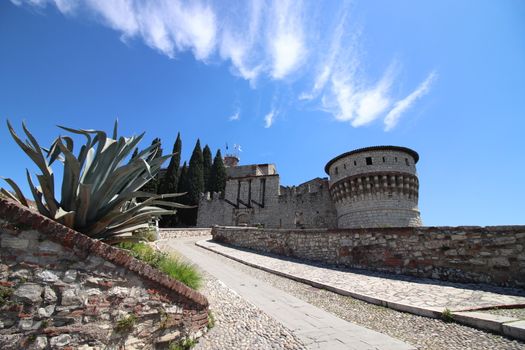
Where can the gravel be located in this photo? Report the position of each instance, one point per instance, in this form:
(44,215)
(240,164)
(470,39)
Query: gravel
(239,324)
(422,332)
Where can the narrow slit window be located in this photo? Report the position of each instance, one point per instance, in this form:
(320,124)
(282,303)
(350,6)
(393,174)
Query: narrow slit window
(406,161)
(384,159)
(336,170)
(368,160)
(355,163)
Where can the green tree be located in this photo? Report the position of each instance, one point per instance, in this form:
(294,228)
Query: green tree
(206,167)
(183,181)
(195,175)
(218,174)
(183,187)
(170,180)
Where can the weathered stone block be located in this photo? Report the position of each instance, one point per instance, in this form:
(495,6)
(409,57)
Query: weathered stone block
(13,242)
(61,340)
(29,293)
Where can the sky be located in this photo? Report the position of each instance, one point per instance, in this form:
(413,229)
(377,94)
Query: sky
(295,83)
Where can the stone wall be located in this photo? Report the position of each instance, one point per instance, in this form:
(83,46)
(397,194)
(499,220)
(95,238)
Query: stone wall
(165,233)
(493,255)
(271,205)
(60,289)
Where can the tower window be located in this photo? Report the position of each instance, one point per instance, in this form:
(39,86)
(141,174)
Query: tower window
(395,159)
(368,160)
(406,161)
(336,170)
(355,163)
(344,166)
(383,159)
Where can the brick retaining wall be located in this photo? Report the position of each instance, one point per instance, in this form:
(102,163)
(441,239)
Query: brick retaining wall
(493,255)
(62,289)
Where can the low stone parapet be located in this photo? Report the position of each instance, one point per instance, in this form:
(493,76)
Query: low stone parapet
(493,255)
(165,233)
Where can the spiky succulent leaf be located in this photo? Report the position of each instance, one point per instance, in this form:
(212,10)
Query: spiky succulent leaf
(98,189)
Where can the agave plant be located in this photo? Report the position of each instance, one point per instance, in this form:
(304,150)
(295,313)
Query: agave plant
(99,188)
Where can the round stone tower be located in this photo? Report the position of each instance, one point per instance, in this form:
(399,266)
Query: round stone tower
(375,187)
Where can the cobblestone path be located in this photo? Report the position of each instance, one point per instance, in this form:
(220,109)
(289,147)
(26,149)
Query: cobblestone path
(274,318)
(416,292)
(422,332)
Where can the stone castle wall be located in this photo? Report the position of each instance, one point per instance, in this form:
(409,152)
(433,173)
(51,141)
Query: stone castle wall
(62,290)
(494,255)
(261,200)
(368,187)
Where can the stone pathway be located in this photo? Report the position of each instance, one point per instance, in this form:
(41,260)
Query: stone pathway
(406,291)
(423,332)
(241,325)
(425,297)
(316,328)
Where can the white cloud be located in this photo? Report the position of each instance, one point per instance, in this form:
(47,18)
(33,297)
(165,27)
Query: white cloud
(286,38)
(269,118)
(354,101)
(392,118)
(235,116)
(272,39)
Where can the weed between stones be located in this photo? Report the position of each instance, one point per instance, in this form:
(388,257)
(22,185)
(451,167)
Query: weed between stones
(446,316)
(126,324)
(185,344)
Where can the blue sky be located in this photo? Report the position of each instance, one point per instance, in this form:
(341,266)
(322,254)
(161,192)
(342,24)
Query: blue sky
(294,83)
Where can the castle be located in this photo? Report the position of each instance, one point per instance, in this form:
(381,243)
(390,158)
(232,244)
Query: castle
(367,187)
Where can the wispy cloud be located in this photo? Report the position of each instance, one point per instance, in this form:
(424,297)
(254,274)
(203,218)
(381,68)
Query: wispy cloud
(392,118)
(286,38)
(269,118)
(277,40)
(235,116)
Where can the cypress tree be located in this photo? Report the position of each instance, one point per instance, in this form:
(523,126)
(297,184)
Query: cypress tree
(218,174)
(206,167)
(196,175)
(195,182)
(170,180)
(183,183)
(182,214)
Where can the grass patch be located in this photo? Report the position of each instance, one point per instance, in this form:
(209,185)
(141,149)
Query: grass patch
(211,320)
(446,316)
(5,294)
(126,324)
(185,344)
(169,264)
